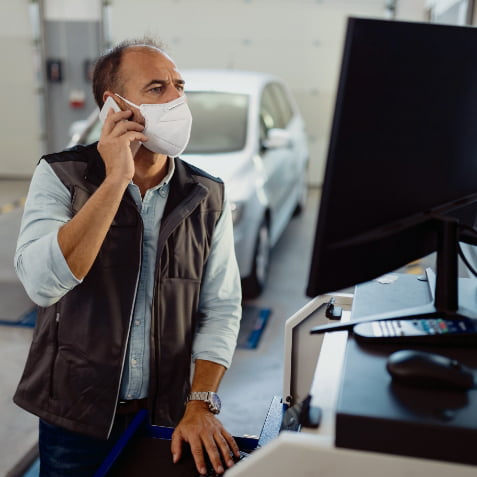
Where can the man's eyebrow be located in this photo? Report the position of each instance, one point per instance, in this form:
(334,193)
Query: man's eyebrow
(163,82)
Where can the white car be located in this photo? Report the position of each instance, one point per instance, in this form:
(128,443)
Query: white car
(248,131)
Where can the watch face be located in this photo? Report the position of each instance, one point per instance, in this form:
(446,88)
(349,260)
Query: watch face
(215,403)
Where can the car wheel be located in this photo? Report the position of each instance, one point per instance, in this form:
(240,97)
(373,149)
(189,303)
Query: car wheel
(253,285)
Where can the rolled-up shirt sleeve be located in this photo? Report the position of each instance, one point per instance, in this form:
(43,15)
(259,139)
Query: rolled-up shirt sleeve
(220,299)
(39,262)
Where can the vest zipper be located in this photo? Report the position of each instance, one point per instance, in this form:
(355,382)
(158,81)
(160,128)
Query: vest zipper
(155,328)
(130,321)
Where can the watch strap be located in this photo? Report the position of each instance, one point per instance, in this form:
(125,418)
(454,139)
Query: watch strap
(209,397)
(199,396)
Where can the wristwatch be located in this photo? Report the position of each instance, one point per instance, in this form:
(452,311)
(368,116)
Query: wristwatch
(211,398)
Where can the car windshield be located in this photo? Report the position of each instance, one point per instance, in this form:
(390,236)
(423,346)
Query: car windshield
(219,122)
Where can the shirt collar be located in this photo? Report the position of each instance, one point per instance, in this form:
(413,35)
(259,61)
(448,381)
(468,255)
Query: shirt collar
(167,178)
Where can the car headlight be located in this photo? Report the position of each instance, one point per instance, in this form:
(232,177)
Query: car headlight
(237,211)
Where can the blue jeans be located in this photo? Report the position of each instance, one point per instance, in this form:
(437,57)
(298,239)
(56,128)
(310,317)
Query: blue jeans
(68,454)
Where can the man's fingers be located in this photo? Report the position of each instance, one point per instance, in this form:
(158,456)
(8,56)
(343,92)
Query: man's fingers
(123,127)
(198,455)
(233,445)
(229,445)
(209,444)
(112,118)
(223,446)
(176,445)
(136,136)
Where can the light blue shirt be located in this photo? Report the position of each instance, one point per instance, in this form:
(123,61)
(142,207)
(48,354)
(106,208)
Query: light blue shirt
(43,270)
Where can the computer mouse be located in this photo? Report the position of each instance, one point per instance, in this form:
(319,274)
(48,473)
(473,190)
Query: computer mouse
(421,368)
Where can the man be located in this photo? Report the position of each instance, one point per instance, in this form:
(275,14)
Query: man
(129,255)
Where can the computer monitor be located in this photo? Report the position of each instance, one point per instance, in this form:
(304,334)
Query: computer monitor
(401,174)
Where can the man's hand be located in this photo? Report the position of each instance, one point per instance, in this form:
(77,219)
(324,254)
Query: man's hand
(81,238)
(115,142)
(203,431)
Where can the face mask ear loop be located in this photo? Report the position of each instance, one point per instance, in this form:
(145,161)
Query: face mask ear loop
(127,101)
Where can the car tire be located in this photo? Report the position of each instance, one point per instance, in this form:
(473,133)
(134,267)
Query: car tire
(253,285)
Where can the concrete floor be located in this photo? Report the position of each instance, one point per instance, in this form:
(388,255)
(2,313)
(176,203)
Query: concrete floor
(248,387)
(17,428)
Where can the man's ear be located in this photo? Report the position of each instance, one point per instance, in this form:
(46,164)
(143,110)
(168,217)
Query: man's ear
(108,93)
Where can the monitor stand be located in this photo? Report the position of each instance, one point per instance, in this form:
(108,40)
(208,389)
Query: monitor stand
(454,298)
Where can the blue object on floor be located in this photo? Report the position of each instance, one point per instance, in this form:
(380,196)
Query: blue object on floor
(27,320)
(34,470)
(254,320)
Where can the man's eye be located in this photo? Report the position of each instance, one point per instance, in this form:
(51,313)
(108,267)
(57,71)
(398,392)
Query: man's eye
(156,89)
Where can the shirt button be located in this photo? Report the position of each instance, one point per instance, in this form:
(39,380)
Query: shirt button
(134,362)
(137,323)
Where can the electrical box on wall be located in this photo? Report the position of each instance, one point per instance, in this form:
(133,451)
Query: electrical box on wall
(88,69)
(54,70)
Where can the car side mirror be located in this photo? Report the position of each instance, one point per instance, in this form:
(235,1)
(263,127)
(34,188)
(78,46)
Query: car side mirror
(277,138)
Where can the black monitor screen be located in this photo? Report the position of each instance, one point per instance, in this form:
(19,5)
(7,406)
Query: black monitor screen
(403,149)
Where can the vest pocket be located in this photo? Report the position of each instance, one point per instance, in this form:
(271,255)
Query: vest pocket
(121,240)
(59,378)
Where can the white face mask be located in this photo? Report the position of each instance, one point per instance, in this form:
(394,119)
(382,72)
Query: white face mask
(167,125)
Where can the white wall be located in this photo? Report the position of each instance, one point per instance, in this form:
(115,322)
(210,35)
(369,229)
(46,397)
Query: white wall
(20,135)
(412,10)
(299,40)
